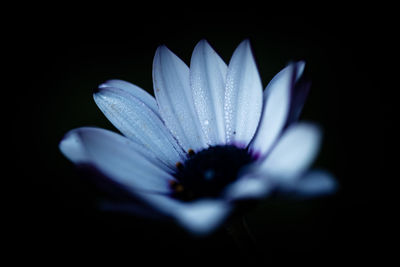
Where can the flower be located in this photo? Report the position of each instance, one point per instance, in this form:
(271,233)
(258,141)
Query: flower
(210,138)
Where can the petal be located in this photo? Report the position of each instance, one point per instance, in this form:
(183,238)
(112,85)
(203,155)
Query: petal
(133,90)
(315,183)
(293,153)
(199,217)
(139,123)
(207,79)
(175,100)
(248,187)
(243,96)
(117,158)
(203,216)
(299,95)
(277,100)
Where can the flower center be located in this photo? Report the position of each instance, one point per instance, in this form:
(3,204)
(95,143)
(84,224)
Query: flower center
(208,172)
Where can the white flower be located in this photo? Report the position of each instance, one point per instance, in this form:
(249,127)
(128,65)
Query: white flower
(209,138)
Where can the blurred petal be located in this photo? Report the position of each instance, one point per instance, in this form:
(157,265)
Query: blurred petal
(138,122)
(116,157)
(133,90)
(243,96)
(199,217)
(294,152)
(175,100)
(316,183)
(207,79)
(203,216)
(299,94)
(248,187)
(277,101)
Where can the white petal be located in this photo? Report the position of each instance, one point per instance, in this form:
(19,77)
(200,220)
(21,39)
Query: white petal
(199,217)
(243,96)
(207,79)
(175,100)
(116,157)
(248,187)
(203,216)
(135,91)
(276,108)
(315,183)
(300,65)
(294,152)
(139,123)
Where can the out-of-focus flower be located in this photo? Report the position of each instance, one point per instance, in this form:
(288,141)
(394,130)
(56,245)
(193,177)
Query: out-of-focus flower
(210,138)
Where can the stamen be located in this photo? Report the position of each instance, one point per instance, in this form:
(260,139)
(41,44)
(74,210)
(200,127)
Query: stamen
(179,188)
(191,152)
(179,165)
(172,183)
(176,186)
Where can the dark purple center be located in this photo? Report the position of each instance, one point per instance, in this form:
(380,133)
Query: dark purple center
(208,172)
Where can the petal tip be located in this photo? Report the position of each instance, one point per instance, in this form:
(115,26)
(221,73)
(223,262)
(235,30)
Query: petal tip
(162,50)
(202,45)
(246,42)
(71,146)
(300,65)
(203,42)
(317,183)
(246,45)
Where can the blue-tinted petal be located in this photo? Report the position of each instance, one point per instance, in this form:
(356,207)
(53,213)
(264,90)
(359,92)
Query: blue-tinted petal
(251,186)
(299,93)
(293,153)
(207,79)
(133,90)
(175,100)
(199,217)
(118,158)
(276,108)
(137,121)
(243,96)
(316,183)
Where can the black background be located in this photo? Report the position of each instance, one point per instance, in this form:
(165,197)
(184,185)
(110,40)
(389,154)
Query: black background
(67,52)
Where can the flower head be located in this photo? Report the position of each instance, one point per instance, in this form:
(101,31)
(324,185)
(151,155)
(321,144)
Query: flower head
(210,137)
